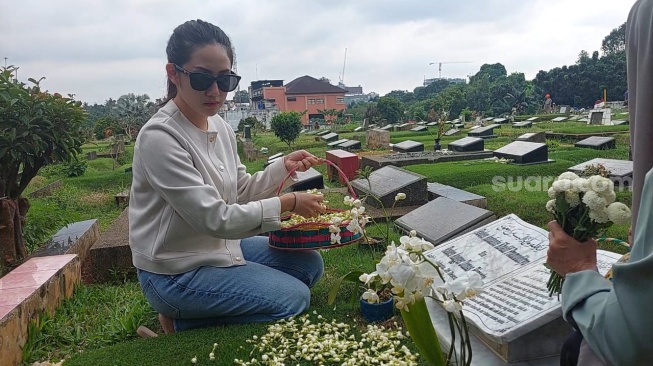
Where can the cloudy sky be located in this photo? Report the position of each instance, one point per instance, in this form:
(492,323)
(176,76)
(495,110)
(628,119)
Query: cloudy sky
(101,49)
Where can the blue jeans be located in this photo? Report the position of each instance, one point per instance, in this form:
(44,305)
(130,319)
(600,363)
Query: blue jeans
(272,285)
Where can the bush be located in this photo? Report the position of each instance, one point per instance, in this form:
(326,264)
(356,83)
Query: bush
(75,168)
(286,126)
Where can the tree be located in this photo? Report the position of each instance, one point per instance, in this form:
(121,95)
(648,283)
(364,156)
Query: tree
(286,126)
(615,42)
(253,122)
(325,79)
(241,97)
(391,109)
(37,128)
(133,111)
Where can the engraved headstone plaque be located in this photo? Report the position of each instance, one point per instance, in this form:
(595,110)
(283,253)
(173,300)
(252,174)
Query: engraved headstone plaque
(387,181)
(483,132)
(443,219)
(310,179)
(565,109)
(596,118)
(330,137)
(408,146)
(419,129)
(621,171)
(322,133)
(337,142)
(514,315)
(521,152)
(451,132)
(597,143)
(441,190)
(467,144)
(525,124)
(351,145)
(533,137)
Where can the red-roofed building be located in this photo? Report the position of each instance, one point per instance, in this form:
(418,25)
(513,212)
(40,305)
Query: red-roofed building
(302,94)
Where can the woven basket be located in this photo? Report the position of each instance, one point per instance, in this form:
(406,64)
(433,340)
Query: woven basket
(313,235)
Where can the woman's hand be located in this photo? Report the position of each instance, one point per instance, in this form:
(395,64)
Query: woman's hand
(303,204)
(568,255)
(301,160)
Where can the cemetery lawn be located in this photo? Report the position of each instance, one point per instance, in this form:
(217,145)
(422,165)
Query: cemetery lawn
(97,326)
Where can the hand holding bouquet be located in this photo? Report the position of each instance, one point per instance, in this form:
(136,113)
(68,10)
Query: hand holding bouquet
(584,208)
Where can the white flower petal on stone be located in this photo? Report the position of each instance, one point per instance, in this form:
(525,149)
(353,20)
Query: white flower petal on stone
(400,196)
(619,213)
(413,233)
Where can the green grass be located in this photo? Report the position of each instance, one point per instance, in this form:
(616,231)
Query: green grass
(97,326)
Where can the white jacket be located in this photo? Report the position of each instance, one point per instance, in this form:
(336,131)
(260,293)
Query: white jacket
(191,199)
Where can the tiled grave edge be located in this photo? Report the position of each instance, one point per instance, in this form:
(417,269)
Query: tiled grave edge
(36,286)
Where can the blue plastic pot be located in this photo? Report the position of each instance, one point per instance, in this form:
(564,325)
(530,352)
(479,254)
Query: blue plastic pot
(377,312)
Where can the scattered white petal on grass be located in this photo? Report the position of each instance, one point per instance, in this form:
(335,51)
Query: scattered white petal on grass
(193,360)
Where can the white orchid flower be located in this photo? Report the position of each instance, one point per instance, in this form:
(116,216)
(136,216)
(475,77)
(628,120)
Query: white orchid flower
(371,296)
(357,203)
(452,306)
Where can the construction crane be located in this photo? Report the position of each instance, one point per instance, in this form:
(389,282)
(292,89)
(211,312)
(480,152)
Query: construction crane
(446,62)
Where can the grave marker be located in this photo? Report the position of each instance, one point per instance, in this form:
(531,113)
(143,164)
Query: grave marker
(377,139)
(467,144)
(337,143)
(483,132)
(351,145)
(419,129)
(533,137)
(597,143)
(522,152)
(443,219)
(525,124)
(386,182)
(330,137)
(408,146)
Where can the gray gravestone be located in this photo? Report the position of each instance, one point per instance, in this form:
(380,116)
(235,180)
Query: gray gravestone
(386,182)
(500,120)
(533,137)
(597,143)
(533,119)
(565,109)
(322,133)
(483,132)
(351,145)
(387,127)
(431,124)
(620,122)
(451,132)
(436,190)
(488,119)
(408,146)
(330,137)
(377,139)
(596,118)
(248,132)
(559,119)
(443,219)
(525,124)
(522,152)
(337,143)
(458,125)
(358,129)
(310,179)
(404,127)
(467,144)
(621,171)
(420,129)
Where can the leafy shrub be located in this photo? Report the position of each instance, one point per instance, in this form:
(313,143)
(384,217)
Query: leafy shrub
(286,126)
(75,168)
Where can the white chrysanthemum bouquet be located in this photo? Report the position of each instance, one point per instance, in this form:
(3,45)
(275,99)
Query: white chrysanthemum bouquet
(584,208)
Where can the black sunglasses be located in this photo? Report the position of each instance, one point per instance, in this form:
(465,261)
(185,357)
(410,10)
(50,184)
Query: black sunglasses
(201,81)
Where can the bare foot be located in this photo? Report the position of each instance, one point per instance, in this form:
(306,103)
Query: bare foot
(166,324)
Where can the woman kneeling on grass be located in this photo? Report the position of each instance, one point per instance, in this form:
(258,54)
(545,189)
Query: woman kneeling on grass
(194,212)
